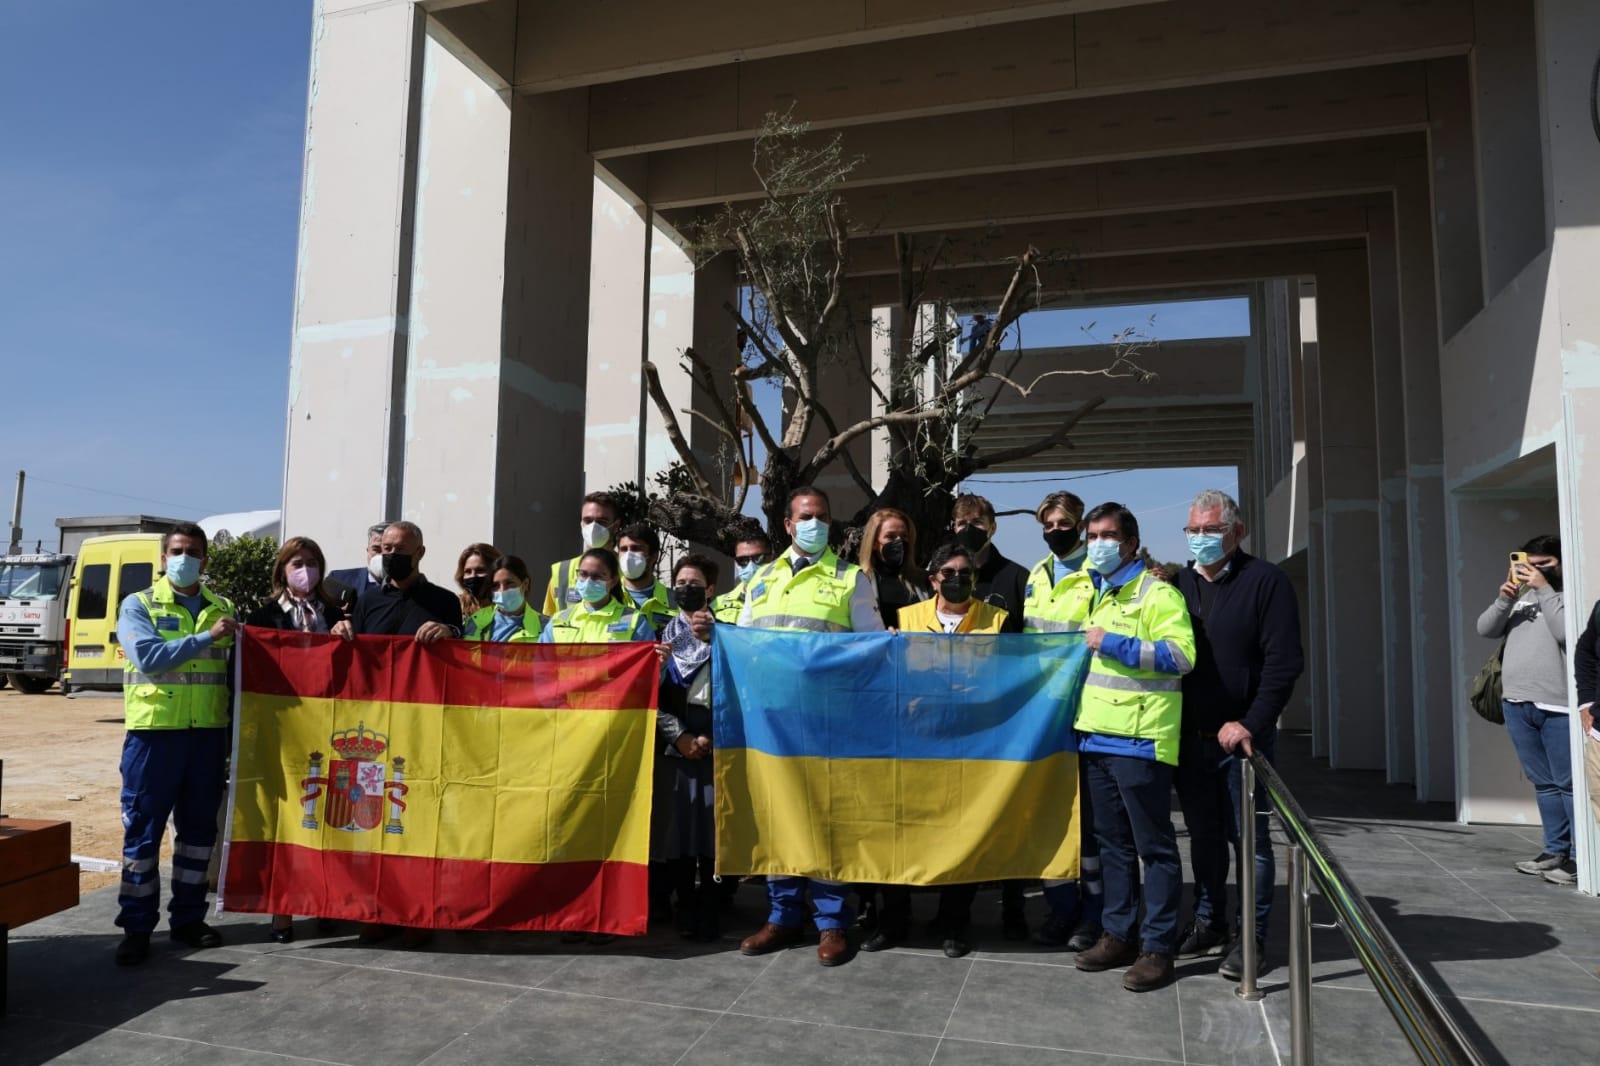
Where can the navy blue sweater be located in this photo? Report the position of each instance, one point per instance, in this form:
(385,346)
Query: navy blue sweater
(1247,646)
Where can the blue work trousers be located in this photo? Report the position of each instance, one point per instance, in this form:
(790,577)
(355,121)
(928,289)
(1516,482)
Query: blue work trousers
(786,897)
(1209,781)
(1132,800)
(176,773)
(1080,901)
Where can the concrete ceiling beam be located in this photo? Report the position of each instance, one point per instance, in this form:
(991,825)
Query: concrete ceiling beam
(1307,107)
(1097,53)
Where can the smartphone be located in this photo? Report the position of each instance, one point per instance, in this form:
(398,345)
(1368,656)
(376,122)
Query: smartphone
(1517,559)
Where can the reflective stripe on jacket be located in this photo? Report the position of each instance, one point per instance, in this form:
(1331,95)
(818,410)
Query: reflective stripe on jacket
(816,599)
(560,592)
(1140,702)
(609,624)
(1052,606)
(194,694)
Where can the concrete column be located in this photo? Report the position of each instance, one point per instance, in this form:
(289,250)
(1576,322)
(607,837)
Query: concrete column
(1316,636)
(1356,728)
(619,281)
(342,464)
(1453,164)
(1395,580)
(453,378)
(1505,82)
(550,219)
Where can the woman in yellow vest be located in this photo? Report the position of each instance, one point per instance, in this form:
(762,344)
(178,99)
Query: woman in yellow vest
(599,616)
(951,611)
(508,618)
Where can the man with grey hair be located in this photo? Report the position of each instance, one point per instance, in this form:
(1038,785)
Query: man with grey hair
(1246,623)
(406,603)
(358,579)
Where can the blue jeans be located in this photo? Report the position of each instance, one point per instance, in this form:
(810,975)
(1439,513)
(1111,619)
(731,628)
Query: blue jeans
(1132,800)
(1541,738)
(177,774)
(786,897)
(1209,780)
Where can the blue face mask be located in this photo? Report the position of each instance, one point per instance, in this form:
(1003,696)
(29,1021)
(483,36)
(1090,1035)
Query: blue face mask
(183,570)
(1105,556)
(745,571)
(811,535)
(591,591)
(1206,548)
(510,601)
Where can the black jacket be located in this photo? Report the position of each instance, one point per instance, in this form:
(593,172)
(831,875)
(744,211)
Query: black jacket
(1003,583)
(388,611)
(1586,659)
(1247,646)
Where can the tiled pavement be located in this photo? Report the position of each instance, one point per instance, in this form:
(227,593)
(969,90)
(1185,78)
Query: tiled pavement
(1516,957)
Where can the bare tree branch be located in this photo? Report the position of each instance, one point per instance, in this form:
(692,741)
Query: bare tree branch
(975,365)
(680,444)
(1024,451)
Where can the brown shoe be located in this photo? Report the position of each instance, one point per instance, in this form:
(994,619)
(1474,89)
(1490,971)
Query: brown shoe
(834,947)
(769,937)
(1150,971)
(1108,954)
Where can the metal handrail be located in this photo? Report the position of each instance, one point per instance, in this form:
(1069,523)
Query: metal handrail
(1432,1033)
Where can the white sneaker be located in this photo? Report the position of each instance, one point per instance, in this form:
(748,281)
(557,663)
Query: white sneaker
(1564,874)
(1545,861)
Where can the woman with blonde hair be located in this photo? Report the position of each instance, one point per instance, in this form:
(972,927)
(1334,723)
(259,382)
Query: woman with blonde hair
(889,559)
(473,575)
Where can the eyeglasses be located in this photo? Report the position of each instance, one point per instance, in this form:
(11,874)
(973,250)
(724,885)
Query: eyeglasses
(594,575)
(747,560)
(947,574)
(1208,531)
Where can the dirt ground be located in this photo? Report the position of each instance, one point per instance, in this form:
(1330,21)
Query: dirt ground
(61,758)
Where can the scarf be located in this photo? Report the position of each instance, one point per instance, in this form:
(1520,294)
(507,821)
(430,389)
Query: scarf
(306,614)
(689,652)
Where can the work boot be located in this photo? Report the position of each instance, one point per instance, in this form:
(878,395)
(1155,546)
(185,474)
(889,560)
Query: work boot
(197,935)
(1150,971)
(134,949)
(834,947)
(1084,936)
(1232,967)
(769,937)
(955,946)
(1197,941)
(1110,953)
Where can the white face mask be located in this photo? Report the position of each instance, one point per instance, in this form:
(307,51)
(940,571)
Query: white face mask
(375,567)
(633,564)
(595,535)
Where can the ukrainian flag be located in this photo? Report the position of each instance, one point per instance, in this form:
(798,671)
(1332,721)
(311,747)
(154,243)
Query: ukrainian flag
(458,785)
(918,759)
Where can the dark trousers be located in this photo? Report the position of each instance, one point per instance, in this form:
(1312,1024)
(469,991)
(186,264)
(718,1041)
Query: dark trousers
(1132,800)
(1209,781)
(177,774)
(955,910)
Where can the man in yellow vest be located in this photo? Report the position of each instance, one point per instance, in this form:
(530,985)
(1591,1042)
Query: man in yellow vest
(176,636)
(1128,728)
(597,523)
(751,551)
(810,588)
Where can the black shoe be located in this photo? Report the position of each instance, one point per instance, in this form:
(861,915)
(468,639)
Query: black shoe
(281,936)
(955,947)
(1085,936)
(134,949)
(882,940)
(1014,925)
(1198,940)
(197,935)
(1232,967)
(1055,932)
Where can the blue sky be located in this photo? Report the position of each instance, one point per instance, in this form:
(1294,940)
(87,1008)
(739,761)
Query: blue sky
(151,205)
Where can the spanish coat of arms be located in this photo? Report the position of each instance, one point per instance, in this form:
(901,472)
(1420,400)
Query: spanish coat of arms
(356,789)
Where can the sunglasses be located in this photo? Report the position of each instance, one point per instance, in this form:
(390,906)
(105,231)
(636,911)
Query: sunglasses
(948,574)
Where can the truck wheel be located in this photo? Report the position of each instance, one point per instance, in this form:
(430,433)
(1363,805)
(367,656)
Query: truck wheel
(30,685)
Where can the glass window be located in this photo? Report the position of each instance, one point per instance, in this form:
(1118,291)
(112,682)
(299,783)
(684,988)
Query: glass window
(94,586)
(133,577)
(30,581)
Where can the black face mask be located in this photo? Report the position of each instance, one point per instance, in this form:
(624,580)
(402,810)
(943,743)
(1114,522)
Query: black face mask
(397,567)
(475,586)
(973,537)
(1551,574)
(691,598)
(1061,542)
(893,556)
(956,589)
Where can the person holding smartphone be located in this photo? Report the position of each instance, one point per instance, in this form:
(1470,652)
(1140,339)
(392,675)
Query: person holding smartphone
(1530,616)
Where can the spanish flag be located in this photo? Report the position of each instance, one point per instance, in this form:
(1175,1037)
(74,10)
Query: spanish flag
(913,759)
(459,785)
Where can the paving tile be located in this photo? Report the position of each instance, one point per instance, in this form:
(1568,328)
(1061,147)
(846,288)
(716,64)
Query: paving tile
(1051,1007)
(1220,1027)
(736,1041)
(555,1029)
(1350,1027)
(403,1017)
(900,991)
(32,1041)
(707,981)
(971,1053)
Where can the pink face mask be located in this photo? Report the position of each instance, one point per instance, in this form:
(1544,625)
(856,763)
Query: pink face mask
(304,579)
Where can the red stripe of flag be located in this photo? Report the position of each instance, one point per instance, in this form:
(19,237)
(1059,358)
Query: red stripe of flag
(463,673)
(592,896)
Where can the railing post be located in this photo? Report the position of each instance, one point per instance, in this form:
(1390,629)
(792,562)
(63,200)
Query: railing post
(1299,958)
(1247,880)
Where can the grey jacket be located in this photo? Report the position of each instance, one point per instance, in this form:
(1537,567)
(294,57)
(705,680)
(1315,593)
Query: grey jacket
(1534,626)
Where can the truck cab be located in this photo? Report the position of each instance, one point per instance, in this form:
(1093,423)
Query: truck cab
(110,569)
(33,600)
